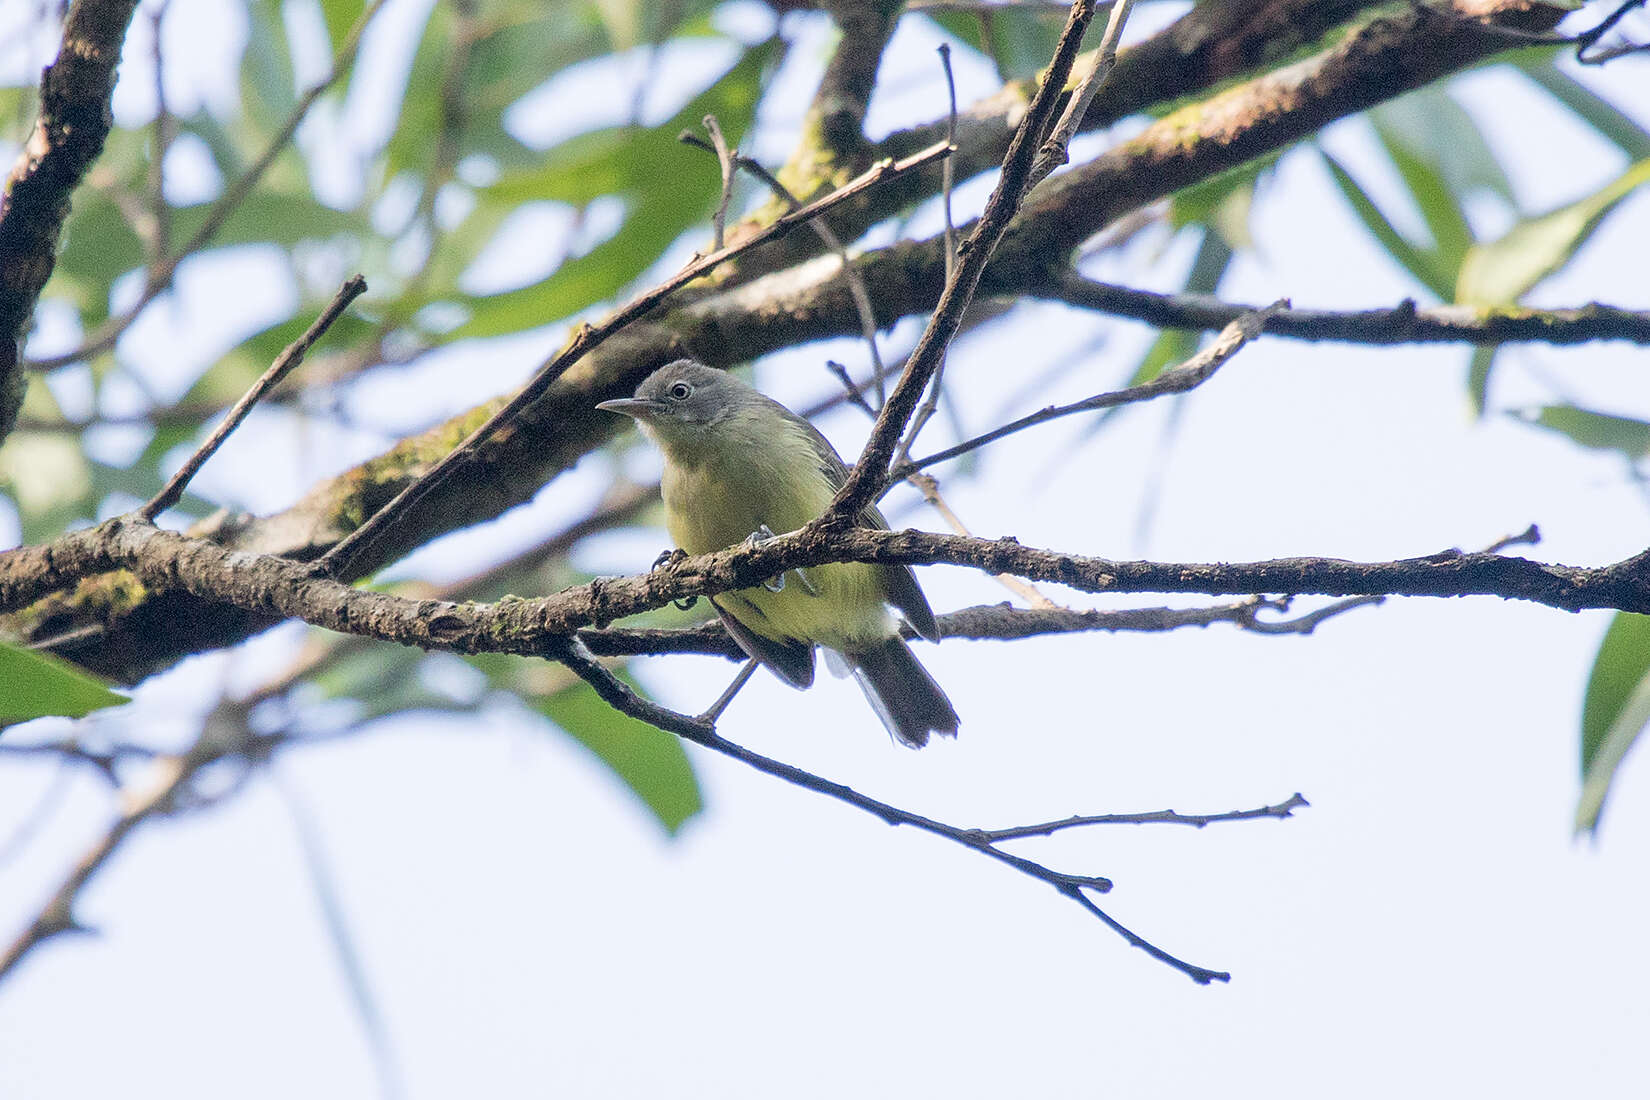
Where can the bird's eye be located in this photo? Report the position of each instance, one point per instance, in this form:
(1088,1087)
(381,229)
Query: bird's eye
(681,391)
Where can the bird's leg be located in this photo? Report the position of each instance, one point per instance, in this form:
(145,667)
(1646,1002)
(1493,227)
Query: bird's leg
(671,557)
(710,716)
(777,584)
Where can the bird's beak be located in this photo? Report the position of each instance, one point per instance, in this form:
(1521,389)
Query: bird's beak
(638,407)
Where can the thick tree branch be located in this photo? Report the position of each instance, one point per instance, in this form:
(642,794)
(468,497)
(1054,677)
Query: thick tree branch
(147,633)
(68,136)
(988,622)
(272,587)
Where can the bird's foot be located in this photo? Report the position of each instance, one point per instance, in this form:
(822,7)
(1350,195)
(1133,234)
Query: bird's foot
(764,533)
(671,557)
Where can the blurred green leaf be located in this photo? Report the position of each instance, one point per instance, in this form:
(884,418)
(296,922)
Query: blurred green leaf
(651,762)
(1411,257)
(340,16)
(1609,120)
(1174,346)
(649,168)
(268,85)
(50,479)
(1600,431)
(272,217)
(1478,377)
(1500,272)
(1428,189)
(1223,202)
(623,20)
(1615,711)
(33,685)
(381,680)
(226,380)
(1019,40)
(1438,130)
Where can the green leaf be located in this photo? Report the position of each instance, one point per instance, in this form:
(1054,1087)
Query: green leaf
(1500,272)
(1434,127)
(1018,39)
(1423,176)
(381,680)
(1478,377)
(651,762)
(33,685)
(50,480)
(1223,201)
(1173,346)
(653,171)
(1411,257)
(268,85)
(1615,711)
(1600,431)
(340,16)
(1599,113)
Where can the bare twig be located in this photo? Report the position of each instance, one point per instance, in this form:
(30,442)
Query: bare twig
(1283,809)
(284,364)
(340,559)
(856,282)
(931,403)
(725,158)
(1405,323)
(1056,149)
(1179,379)
(714,711)
(870,474)
(160,240)
(1307,623)
(619,695)
(154,796)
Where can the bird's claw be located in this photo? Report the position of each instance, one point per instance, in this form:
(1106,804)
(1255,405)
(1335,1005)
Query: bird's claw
(671,557)
(777,584)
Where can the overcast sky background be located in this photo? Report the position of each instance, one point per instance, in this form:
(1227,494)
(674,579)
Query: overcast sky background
(1429,925)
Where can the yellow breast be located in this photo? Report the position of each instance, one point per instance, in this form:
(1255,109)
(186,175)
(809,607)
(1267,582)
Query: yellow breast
(712,503)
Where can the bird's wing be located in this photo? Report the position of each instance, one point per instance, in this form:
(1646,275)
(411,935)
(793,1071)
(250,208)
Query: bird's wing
(899,583)
(790,659)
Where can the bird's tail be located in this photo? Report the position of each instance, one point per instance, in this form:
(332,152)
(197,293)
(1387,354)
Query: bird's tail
(906,698)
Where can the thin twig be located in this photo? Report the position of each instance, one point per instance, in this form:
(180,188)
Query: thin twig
(725,158)
(870,474)
(929,487)
(160,276)
(850,392)
(1056,150)
(1405,323)
(284,363)
(1307,623)
(617,694)
(931,403)
(1283,809)
(340,559)
(856,282)
(160,240)
(1178,379)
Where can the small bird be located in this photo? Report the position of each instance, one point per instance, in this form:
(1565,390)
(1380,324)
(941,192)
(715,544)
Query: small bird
(740,466)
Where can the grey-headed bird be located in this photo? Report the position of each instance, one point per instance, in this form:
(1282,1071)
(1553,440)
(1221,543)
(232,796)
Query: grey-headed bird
(740,465)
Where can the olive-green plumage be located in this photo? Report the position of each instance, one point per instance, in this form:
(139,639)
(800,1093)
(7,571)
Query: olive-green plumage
(739,464)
